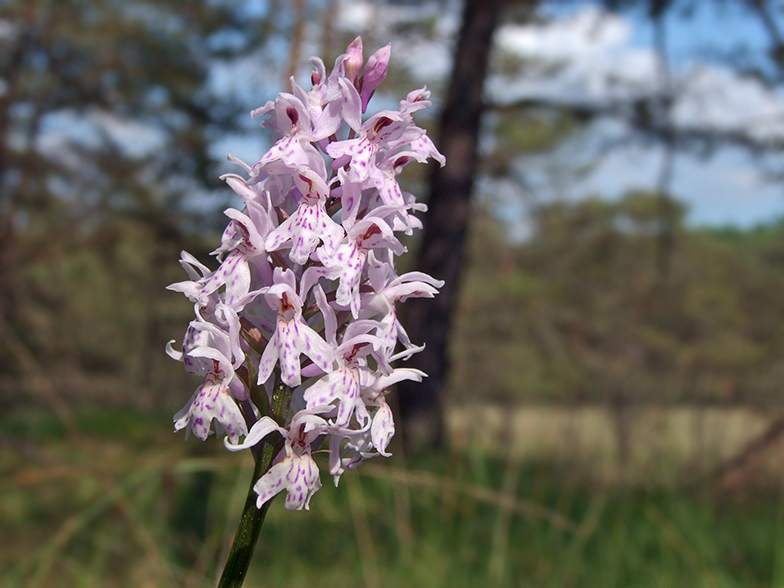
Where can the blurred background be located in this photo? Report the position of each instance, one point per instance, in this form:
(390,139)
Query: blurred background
(604,406)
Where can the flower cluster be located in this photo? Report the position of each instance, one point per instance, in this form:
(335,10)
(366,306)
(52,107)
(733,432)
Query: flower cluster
(305,292)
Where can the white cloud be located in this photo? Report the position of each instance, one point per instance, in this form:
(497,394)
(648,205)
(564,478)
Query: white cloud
(586,56)
(135,138)
(355,16)
(600,63)
(435,67)
(593,57)
(585,35)
(717,98)
(67,127)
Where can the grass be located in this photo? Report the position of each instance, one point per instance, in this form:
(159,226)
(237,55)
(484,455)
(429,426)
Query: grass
(127,503)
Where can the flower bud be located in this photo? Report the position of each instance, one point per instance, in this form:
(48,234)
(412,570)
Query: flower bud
(375,73)
(354,59)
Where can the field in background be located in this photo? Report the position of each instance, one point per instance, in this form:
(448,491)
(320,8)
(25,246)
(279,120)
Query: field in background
(665,444)
(530,497)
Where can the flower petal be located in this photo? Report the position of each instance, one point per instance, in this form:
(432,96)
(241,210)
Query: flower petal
(211,401)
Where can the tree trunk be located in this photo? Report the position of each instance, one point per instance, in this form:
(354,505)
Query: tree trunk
(441,254)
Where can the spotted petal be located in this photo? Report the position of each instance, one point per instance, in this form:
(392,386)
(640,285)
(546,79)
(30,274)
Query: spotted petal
(297,474)
(211,401)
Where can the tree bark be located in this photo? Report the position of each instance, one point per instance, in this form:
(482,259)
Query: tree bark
(441,253)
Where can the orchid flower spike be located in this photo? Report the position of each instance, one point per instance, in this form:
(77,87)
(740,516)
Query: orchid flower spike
(305,292)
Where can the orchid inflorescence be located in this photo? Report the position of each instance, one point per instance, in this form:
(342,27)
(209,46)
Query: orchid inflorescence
(304,296)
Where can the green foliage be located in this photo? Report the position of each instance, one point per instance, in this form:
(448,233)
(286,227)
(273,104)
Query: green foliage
(530,132)
(586,309)
(106,120)
(142,508)
(97,317)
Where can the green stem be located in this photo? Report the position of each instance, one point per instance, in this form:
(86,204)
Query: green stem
(252,517)
(250,524)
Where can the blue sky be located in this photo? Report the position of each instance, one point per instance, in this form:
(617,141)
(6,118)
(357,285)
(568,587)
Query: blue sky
(726,188)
